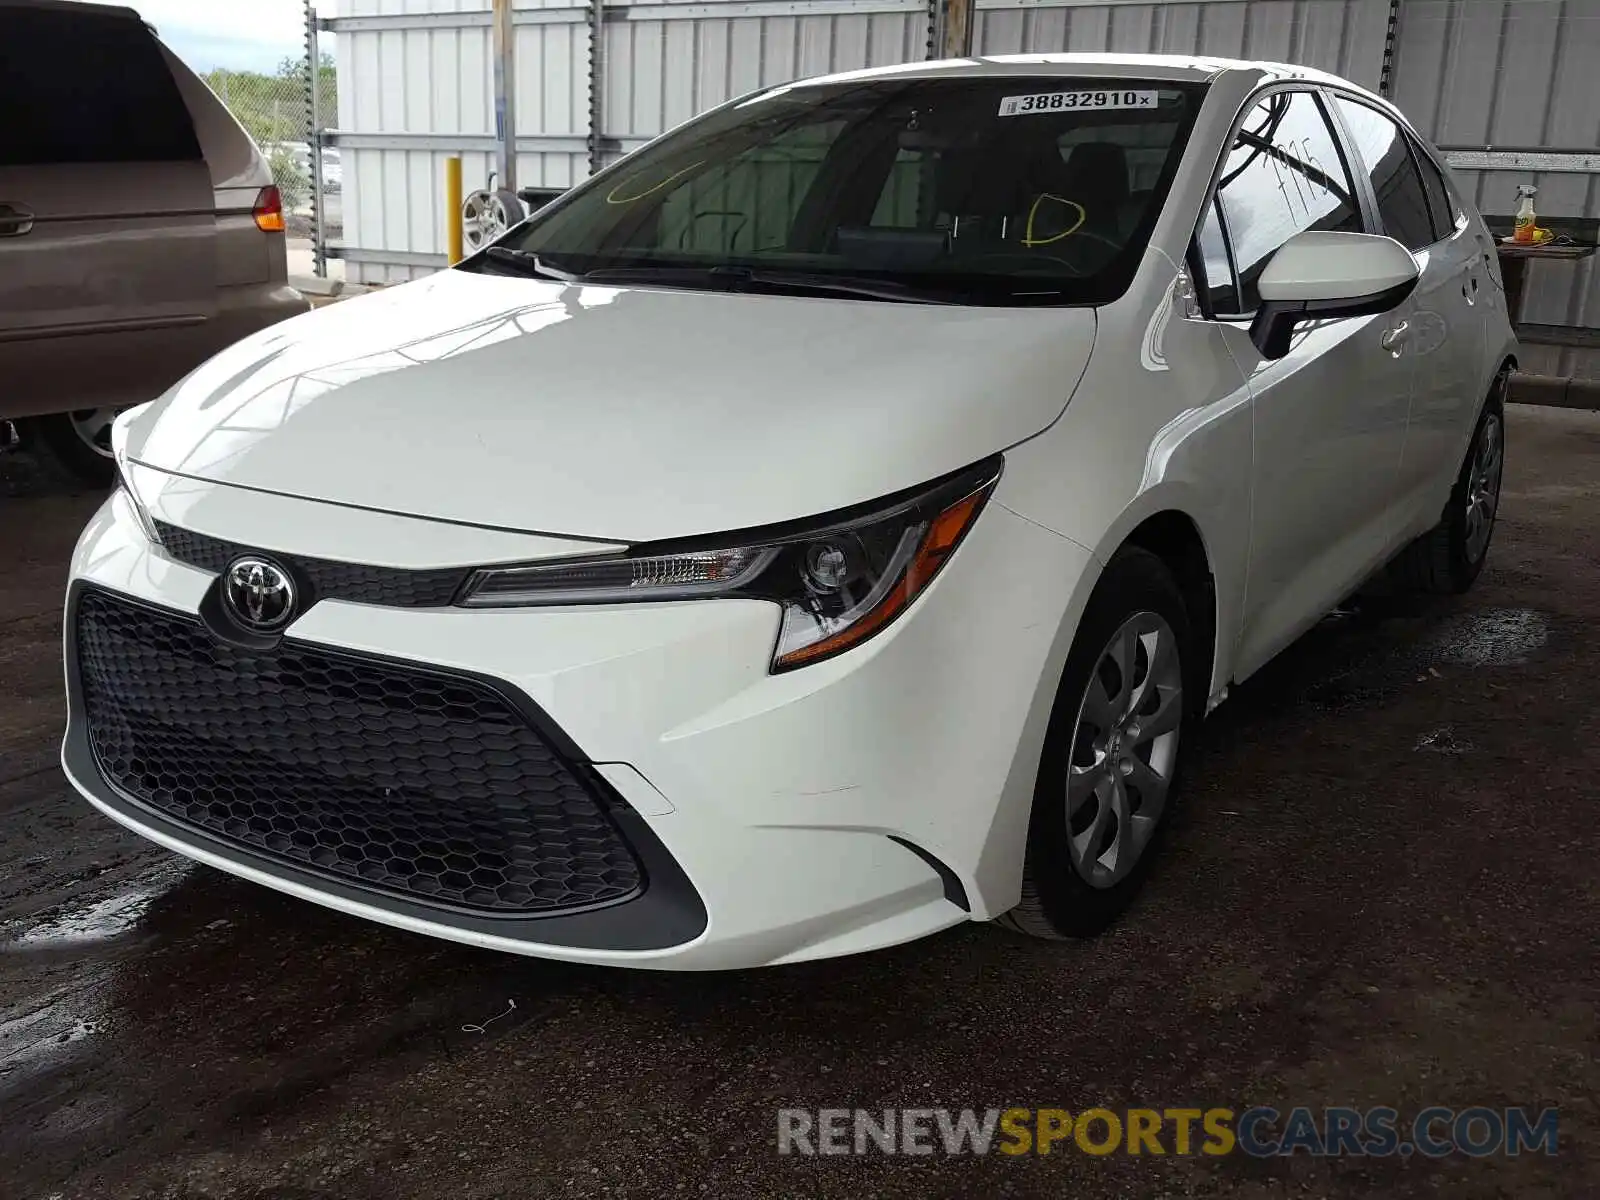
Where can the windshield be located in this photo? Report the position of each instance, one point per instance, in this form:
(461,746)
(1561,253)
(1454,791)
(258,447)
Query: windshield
(1005,190)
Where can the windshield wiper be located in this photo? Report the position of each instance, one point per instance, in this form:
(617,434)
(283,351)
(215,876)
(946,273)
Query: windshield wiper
(529,263)
(733,279)
(846,285)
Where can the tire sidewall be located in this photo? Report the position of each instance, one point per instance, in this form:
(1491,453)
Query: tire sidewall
(1463,569)
(1133,581)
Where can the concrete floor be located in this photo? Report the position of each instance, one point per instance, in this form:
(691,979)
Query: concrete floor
(1382,890)
(303,261)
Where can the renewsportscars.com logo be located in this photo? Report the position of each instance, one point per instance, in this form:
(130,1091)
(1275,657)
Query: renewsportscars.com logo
(1261,1132)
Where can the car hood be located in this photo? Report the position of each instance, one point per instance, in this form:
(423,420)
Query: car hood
(626,414)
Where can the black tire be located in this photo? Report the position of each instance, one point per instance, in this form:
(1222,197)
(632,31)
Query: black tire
(1442,562)
(1057,900)
(55,444)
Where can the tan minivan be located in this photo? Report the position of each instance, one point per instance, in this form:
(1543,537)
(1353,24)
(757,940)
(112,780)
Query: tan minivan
(140,232)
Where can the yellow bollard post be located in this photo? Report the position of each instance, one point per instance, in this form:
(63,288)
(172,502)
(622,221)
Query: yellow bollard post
(452,208)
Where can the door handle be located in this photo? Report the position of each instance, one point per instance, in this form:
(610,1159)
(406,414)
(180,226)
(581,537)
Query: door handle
(15,220)
(1393,340)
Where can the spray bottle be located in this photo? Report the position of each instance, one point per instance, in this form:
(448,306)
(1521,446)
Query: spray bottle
(1526,230)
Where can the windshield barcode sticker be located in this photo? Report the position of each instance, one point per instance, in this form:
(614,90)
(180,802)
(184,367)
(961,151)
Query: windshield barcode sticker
(1042,102)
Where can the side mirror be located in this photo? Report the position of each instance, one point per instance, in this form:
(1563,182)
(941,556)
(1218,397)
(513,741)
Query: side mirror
(1322,275)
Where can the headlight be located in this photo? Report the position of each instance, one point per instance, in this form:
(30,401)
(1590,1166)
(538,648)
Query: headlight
(839,580)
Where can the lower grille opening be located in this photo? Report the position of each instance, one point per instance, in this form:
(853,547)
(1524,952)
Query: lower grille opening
(424,784)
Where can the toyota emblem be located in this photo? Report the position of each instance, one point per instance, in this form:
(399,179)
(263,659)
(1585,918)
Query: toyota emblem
(258,594)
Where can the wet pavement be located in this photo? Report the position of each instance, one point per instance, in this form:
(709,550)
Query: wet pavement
(1381,890)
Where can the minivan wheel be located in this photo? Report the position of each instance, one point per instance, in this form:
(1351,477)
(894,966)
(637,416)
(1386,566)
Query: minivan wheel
(77,444)
(1448,558)
(1108,773)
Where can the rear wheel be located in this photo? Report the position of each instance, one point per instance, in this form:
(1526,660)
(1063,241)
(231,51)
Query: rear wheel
(77,445)
(1108,774)
(1447,559)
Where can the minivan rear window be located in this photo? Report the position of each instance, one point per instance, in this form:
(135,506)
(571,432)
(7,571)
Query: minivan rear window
(86,88)
(997,190)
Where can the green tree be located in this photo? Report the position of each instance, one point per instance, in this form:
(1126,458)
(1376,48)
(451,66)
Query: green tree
(294,183)
(272,108)
(327,84)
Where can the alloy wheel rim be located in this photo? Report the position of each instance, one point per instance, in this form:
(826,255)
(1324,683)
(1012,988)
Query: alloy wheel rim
(1483,487)
(1124,749)
(477,224)
(93,428)
(483,219)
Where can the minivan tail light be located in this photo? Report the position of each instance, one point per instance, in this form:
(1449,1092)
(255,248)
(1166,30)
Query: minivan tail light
(269,210)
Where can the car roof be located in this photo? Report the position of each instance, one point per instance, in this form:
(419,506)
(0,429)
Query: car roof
(1177,67)
(77,7)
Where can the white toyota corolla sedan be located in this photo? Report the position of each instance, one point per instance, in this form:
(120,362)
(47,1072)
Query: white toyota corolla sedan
(823,527)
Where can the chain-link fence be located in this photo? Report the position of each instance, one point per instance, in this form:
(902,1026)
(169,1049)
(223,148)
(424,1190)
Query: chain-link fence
(275,112)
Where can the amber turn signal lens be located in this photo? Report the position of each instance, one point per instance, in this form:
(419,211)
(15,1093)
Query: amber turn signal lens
(269,210)
(938,542)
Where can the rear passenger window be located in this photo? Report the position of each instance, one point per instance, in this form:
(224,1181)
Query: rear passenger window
(1386,156)
(1284,176)
(77,87)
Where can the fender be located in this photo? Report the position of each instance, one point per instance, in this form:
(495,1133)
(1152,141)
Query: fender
(1226,550)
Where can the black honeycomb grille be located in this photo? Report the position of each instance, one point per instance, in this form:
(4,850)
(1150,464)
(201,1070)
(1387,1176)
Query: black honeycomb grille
(393,587)
(431,786)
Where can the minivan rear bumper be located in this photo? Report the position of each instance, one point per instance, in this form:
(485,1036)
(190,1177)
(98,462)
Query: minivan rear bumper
(249,308)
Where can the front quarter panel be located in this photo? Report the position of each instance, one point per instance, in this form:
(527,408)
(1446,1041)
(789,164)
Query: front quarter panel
(1160,422)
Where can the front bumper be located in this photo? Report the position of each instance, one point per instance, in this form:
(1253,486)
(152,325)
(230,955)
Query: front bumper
(857,803)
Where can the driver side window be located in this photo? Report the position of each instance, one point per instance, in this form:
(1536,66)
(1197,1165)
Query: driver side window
(1284,175)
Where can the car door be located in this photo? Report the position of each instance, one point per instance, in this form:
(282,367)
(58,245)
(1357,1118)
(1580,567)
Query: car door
(1328,419)
(107,248)
(1446,324)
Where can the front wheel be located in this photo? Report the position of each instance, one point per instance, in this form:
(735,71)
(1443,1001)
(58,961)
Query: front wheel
(1108,773)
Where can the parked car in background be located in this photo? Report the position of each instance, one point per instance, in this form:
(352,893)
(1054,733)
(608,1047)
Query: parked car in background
(825,526)
(332,169)
(298,154)
(140,231)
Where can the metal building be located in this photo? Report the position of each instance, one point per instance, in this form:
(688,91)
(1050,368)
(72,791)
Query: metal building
(1507,87)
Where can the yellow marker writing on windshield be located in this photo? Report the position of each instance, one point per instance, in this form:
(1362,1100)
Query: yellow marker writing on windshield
(1027,234)
(613,198)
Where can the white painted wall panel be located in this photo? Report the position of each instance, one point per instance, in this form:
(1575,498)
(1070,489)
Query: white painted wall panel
(660,73)
(1343,36)
(436,81)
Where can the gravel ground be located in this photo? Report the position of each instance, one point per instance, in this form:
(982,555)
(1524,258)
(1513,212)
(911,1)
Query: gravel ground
(1381,891)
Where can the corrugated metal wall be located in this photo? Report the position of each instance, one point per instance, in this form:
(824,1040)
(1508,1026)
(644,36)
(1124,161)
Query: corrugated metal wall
(1343,36)
(660,72)
(1515,74)
(1472,73)
(436,81)
(663,63)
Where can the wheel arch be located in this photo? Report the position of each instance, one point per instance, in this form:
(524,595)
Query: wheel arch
(1208,564)
(1174,537)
